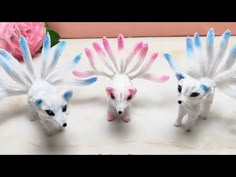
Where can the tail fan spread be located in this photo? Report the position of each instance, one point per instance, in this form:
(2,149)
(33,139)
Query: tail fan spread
(49,70)
(121,65)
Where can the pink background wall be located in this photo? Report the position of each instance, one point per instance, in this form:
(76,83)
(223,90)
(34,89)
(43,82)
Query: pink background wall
(140,29)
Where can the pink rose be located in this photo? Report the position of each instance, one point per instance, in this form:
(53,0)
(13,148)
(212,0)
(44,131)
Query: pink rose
(10,34)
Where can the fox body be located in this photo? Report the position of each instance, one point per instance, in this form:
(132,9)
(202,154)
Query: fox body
(120,91)
(45,101)
(194,98)
(50,105)
(197,83)
(120,94)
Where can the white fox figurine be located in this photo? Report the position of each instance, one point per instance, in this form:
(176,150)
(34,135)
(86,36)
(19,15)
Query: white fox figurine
(197,83)
(120,91)
(45,101)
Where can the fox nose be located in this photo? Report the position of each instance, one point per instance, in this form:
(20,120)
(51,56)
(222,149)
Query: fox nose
(120,112)
(64,125)
(179,101)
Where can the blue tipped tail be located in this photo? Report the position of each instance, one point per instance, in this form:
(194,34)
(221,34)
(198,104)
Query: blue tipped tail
(225,39)
(86,81)
(189,47)
(170,60)
(210,37)
(77,59)
(197,40)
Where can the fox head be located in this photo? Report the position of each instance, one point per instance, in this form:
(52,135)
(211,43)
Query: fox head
(120,98)
(53,107)
(190,90)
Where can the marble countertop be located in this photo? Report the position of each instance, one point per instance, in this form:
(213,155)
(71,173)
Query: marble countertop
(154,110)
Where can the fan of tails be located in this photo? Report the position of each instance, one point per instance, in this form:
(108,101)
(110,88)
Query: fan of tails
(50,72)
(209,63)
(109,59)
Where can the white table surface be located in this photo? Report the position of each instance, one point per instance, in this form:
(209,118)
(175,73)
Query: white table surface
(151,130)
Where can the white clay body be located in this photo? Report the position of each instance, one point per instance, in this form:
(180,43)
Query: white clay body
(52,100)
(193,107)
(204,73)
(120,91)
(119,107)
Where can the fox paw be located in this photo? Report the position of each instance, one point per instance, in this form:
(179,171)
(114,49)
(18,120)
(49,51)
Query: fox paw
(110,117)
(126,119)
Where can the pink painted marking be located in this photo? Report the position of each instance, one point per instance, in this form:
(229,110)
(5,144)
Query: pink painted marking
(120,42)
(137,47)
(109,90)
(132,91)
(98,49)
(164,78)
(154,78)
(81,74)
(143,51)
(154,56)
(110,117)
(89,55)
(126,119)
(106,43)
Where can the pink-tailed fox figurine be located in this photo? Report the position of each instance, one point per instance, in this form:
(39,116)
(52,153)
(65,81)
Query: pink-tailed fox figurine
(120,90)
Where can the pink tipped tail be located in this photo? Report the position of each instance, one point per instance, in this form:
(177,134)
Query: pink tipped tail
(154,56)
(120,42)
(106,43)
(82,74)
(98,49)
(137,47)
(89,55)
(155,78)
(143,51)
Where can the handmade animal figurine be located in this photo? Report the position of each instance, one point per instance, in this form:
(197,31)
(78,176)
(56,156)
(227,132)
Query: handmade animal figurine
(45,101)
(120,90)
(203,74)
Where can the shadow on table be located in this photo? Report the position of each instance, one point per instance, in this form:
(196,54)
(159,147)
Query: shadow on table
(12,113)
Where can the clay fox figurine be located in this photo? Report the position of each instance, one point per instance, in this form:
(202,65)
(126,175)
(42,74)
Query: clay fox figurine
(120,90)
(202,75)
(45,101)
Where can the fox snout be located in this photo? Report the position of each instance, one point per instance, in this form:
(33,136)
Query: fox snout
(120,109)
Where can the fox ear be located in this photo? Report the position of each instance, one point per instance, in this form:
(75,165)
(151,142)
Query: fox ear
(109,90)
(179,76)
(205,88)
(38,102)
(132,91)
(67,95)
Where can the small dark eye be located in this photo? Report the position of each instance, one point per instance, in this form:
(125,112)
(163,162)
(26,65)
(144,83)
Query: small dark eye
(112,96)
(129,97)
(179,88)
(64,108)
(50,113)
(194,94)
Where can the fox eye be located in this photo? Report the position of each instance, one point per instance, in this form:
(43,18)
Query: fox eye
(50,112)
(179,88)
(129,97)
(194,94)
(64,108)
(112,96)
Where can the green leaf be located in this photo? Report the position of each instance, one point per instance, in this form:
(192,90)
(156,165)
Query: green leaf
(53,35)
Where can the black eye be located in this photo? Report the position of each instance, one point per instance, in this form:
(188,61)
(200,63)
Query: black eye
(179,88)
(194,94)
(50,113)
(64,108)
(112,96)
(129,97)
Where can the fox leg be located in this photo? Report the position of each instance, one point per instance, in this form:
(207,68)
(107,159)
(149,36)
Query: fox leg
(111,112)
(206,107)
(180,117)
(126,116)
